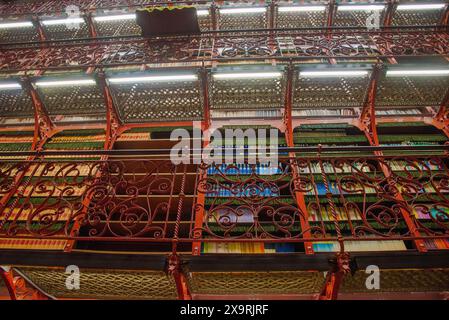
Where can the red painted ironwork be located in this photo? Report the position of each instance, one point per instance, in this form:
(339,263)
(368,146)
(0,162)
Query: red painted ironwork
(133,200)
(223,46)
(18,288)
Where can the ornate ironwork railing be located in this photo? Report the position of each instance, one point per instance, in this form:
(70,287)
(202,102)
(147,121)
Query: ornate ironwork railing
(281,44)
(313,198)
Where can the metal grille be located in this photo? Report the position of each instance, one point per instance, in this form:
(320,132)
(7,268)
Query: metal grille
(15,103)
(416,17)
(411,91)
(354,18)
(295,282)
(104,284)
(159,101)
(401,281)
(117,28)
(19,35)
(61,31)
(300,19)
(247,94)
(242,21)
(329,92)
(74,100)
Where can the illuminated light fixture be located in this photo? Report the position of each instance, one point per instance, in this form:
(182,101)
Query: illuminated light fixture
(65,83)
(11,25)
(301,8)
(243,10)
(117,17)
(11,85)
(350,7)
(247,75)
(202,12)
(184,77)
(420,6)
(399,73)
(62,21)
(334,73)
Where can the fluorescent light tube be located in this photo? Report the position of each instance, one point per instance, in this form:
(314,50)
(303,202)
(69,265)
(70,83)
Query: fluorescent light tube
(10,86)
(398,73)
(65,83)
(62,21)
(247,75)
(243,10)
(184,77)
(420,6)
(202,12)
(301,8)
(10,25)
(117,17)
(334,73)
(350,7)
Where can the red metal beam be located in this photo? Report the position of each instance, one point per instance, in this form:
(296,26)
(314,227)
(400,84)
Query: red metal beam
(44,127)
(113,122)
(368,114)
(335,276)
(389,12)
(206,100)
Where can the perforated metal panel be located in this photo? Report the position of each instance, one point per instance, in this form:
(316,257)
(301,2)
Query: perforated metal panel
(15,103)
(329,92)
(69,31)
(411,91)
(164,101)
(276,282)
(288,19)
(117,28)
(205,21)
(104,284)
(416,17)
(240,94)
(400,281)
(73,100)
(357,18)
(24,34)
(239,21)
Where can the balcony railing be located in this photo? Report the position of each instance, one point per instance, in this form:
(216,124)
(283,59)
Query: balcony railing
(311,198)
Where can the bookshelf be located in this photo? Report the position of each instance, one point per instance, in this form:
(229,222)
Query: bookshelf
(147,189)
(246,200)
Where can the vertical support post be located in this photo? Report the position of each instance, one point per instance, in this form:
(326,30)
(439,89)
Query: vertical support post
(288,125)
(331,11)
(213,16)
(91,25)
(445,16)
(206,109)
(389,12)
(368,125)
(40,30)
(43,126)
(340,266)
(8,279)
(174,263)
(113,122)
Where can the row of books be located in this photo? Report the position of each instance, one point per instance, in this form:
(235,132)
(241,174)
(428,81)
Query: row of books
(131,136)
(246,114)
(333,188)
(228,190)
(325,214)
(245,169)
(436,243)
(62,139)
(19,214)
(323,112)
(362,246)
(424,165)
(397,112)
(441,213)
(246,247)
(328,168)
(33,244)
